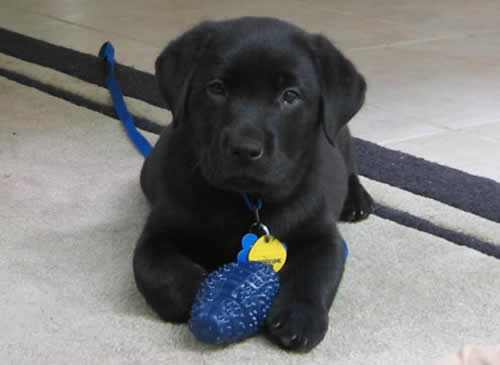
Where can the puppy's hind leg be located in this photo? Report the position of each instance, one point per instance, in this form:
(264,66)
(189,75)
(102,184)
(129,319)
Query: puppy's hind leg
(166,278)
(358,204)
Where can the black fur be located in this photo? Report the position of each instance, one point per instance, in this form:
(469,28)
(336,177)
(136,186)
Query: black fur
(237,129)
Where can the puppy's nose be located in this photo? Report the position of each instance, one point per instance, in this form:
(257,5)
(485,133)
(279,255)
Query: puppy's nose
(246,150)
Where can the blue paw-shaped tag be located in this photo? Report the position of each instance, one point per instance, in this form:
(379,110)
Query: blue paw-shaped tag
(247,242)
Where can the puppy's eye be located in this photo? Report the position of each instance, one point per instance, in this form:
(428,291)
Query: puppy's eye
(290,96)
(216,87)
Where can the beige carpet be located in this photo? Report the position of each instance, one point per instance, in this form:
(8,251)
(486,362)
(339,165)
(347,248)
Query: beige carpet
(71,211)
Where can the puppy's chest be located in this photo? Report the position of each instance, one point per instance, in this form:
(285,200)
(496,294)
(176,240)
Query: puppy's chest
(218,236)
(215,232)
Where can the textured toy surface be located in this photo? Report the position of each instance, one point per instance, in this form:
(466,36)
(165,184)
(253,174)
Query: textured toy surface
(233,302)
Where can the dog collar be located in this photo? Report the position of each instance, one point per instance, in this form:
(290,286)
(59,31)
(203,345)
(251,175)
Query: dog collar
(252,207)
(258,227)
(259,244)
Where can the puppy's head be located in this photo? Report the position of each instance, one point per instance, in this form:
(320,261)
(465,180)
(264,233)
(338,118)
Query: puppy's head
(254,96)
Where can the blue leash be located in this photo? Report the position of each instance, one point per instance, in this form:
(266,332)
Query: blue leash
(107,52)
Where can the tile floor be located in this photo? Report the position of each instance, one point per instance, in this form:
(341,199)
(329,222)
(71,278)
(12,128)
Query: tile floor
(433,66)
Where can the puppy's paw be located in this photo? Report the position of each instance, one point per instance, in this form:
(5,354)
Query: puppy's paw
(170,289)
(179,293)
(296,326)
(359,204)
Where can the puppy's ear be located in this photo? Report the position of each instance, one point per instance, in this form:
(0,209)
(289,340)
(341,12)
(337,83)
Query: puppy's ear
(175,67)
(342,87)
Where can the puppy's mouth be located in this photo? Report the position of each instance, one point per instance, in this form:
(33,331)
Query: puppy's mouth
(243,184)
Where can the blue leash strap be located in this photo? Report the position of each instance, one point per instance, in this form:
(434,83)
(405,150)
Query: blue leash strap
(252,207)
(107,52)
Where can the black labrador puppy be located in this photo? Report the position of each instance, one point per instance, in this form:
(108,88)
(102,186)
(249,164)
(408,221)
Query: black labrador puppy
(259,106)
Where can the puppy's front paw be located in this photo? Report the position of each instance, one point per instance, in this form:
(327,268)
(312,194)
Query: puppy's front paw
(296,326)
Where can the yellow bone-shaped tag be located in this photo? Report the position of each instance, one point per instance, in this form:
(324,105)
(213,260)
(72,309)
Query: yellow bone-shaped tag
(272,252)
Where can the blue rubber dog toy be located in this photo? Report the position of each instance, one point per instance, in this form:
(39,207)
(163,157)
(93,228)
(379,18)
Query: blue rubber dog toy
(233,302)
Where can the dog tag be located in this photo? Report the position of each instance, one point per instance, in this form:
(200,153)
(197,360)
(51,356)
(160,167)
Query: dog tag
(266,249)
(269,250)
(247,242)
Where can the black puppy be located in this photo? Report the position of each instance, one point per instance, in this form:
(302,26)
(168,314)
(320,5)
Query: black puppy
(259,106)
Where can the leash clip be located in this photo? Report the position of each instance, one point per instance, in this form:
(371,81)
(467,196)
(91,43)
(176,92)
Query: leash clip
(260,229)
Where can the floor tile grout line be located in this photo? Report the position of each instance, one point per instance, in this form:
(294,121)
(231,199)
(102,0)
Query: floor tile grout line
(420,41)
(391,142)
(432,122)
(407,116)
(395,141)
(383,20)
(490,122)
(105,32)
(436,124)
(388,22)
